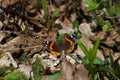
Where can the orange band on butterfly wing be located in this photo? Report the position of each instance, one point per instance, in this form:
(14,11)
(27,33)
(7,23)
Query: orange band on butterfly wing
(51,45)
(56,53)
(71,42)
(70,49)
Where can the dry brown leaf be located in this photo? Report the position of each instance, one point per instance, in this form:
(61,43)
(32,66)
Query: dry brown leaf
(86,29)
(6,3)
(73,72)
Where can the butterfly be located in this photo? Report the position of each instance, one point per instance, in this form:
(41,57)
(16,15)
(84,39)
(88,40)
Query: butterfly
(67,45)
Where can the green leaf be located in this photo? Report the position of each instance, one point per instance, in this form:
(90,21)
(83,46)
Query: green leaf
(85,62)
(4,69)
(98,61)
(44,6)
(55,76)
(91,54)
(113,9)
(38,69)
(56,12)
(23,58)
(75,24)
(84,49)
(115,65)
(60,37)
(107,25)
(96,76)
(92,5)
(93,51)
(106,11)
(15,76)
(103,68)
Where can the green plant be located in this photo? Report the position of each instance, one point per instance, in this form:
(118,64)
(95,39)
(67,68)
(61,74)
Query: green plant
(55,76)
(15,76)
(5,68)
(90,55)
(24,58)
(97,67)
(108,12)
(38,70)
(115,66)
(107,25)
(76,27)
(60,37)
(92,5)
(44,6)
(11,75)
(52,17)
(111,70)
(49,16)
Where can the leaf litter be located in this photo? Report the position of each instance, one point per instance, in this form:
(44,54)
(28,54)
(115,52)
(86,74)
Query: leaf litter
(24,29)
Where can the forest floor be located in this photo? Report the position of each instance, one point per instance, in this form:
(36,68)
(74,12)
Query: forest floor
(59,40)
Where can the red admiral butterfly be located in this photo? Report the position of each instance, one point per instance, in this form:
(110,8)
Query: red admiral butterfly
(67,45)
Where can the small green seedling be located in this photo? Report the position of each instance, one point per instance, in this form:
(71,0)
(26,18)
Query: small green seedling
(38,70)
